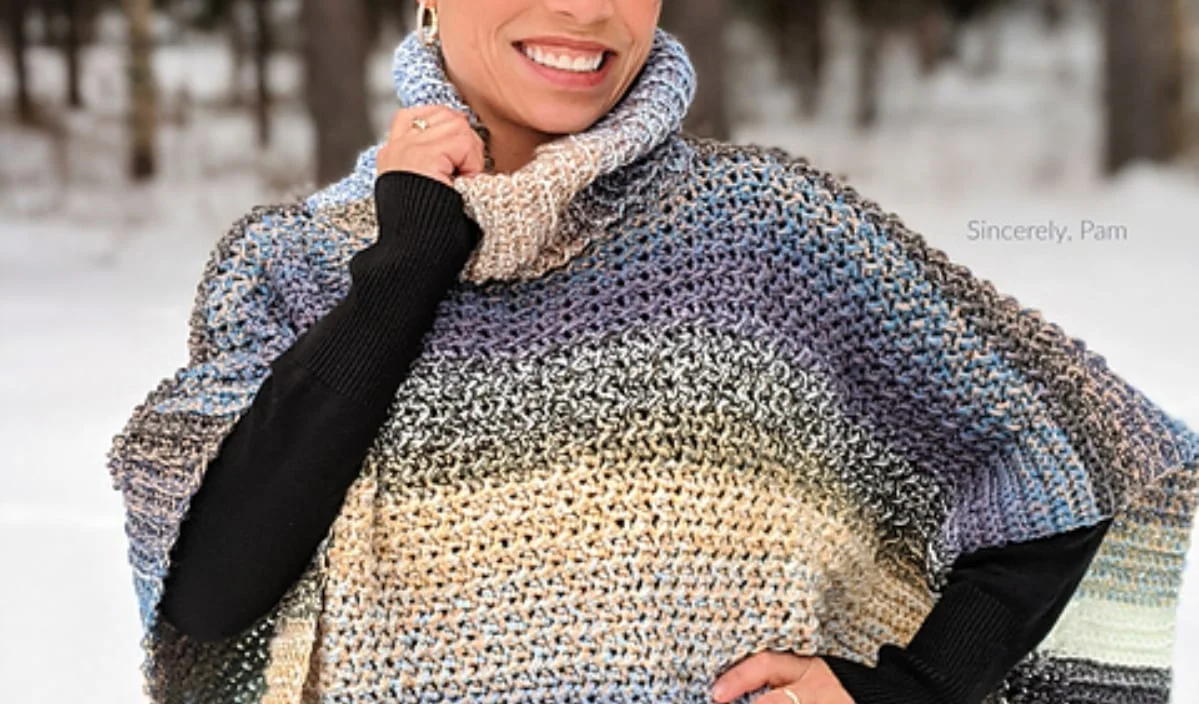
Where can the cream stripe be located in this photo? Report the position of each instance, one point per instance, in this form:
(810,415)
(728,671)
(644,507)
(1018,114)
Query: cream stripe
(1114,633)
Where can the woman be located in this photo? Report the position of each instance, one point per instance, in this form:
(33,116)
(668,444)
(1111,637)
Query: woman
(549,401)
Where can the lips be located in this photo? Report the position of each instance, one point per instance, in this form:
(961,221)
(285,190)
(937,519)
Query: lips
(567,47)
(559,58)
(566,52)
(578,45)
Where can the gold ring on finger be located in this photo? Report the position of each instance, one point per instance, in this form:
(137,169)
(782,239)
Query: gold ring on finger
(421,124)
(794,697)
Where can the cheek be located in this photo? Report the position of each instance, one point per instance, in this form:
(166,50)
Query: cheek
(634,66)
(641,16)
(471,62)
(469,52)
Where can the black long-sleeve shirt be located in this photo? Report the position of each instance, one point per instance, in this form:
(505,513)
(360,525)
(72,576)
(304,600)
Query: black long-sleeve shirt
(270,495)
(279,480)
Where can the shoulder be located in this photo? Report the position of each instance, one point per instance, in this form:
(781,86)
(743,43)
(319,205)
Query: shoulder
(269,240)
(319,231)
(787,194)
(288,261)
(766,172)
(236,297)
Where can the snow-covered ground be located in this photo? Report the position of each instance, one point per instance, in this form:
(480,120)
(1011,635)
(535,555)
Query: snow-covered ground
(97,279)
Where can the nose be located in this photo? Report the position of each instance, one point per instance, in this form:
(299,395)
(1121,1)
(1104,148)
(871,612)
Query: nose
(583,12)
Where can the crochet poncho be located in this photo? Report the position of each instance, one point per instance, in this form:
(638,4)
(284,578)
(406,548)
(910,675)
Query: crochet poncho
(688,401)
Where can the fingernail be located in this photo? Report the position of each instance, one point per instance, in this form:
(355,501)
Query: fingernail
(719,691)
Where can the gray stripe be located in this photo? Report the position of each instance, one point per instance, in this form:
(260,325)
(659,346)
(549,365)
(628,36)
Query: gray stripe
(645,390)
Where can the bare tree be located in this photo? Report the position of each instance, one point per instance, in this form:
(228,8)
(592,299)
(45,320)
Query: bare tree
(875,18)
(16,14)
(143,93)
(405,17)
(879,21)
(226,12)
(1144,68)
(72,16)
(934,32)
(799,29)
(1053,14)
(984,14)
(263,44)
(935,26)
(335,54)
(700,26)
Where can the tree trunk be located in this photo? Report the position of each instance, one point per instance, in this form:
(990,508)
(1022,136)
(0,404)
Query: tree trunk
(869,55)
(335,54)
(73,18)
(406,17)
(15,18)
(797,28)
(1144,70)
(807,23)
(89,15)
(700,26)
(773,22)
(932,32)
(236,34)
(988,20)
(50,34)
(142,91)
(1053,14)
(262,56)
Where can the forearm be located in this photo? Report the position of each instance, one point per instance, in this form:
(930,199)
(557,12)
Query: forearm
(271,494)
(998,604)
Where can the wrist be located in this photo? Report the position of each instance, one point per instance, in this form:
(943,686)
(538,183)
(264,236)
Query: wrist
(884,684)
(408,203)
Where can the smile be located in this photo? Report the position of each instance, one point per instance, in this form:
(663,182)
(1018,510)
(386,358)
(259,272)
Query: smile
(564,60)
(572,66)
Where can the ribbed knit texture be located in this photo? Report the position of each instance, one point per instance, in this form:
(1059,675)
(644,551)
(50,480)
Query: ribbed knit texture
(754,411)
(394,278)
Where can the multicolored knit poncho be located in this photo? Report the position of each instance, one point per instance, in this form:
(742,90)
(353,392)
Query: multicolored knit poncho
(689,401)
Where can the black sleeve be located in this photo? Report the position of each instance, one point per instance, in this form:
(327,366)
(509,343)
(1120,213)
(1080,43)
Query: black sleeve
(997,605)
(278,482)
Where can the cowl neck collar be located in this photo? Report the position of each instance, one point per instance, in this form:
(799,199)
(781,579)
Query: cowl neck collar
(540,216)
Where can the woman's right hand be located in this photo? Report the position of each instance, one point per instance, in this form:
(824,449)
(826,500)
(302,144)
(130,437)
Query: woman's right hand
(447,148)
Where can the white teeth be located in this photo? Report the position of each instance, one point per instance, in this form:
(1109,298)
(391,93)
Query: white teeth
(582,64)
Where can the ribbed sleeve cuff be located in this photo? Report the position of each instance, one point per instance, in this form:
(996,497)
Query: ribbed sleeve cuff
(364,345)
(868,685)
(952,659)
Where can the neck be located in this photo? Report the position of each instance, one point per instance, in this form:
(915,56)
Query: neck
(511,146)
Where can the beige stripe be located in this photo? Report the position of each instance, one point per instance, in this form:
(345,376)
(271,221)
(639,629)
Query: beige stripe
(542,571)
(291,648)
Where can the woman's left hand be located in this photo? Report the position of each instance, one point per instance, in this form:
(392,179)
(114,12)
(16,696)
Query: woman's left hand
(808,677)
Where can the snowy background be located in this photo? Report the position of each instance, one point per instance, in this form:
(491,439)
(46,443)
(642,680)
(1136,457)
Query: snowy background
(97,279)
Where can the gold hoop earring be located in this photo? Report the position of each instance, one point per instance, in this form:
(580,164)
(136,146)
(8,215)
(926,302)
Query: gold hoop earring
(428,32)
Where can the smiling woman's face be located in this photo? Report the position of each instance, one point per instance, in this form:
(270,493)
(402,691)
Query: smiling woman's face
(551,66)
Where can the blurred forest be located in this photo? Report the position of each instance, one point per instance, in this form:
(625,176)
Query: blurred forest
(1149,61)
(135,134)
